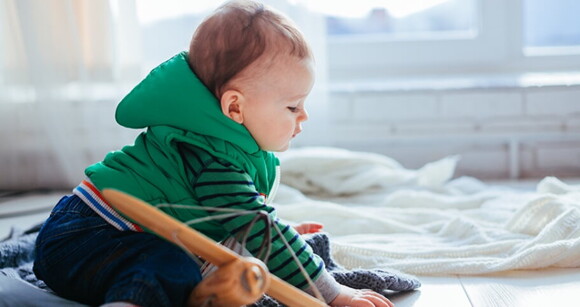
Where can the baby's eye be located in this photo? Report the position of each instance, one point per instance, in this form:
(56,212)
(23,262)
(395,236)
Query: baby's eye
(293,109)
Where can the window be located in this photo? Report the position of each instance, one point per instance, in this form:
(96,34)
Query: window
(553,28)
(392,39)
(402,19)
(167,25)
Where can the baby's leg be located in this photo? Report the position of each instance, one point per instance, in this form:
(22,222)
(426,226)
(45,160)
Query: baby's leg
(149,271)
(83,258)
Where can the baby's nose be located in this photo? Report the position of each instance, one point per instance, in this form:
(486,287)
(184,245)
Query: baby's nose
(303,116)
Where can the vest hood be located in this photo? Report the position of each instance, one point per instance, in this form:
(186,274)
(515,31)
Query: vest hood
(172,95)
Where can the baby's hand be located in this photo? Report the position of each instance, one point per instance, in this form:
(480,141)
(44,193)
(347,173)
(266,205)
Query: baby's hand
(308,227)
(360,298)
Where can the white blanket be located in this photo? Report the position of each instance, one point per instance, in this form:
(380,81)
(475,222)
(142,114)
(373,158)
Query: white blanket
(381,215)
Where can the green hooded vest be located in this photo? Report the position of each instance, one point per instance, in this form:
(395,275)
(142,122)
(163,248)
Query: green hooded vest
(175,107)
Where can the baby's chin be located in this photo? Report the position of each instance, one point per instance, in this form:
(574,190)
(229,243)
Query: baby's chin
(281,148)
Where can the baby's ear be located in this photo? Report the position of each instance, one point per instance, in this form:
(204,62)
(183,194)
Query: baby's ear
(232,103)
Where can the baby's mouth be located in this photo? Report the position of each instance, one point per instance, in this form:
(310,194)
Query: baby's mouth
(295,134)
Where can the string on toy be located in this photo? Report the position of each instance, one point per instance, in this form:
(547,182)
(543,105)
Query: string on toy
(317,293)
(265,246)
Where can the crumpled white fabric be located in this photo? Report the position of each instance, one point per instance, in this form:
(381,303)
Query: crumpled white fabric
(423,223)
(333,171)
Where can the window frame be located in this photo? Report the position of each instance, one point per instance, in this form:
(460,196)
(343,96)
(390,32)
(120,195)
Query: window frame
(497,47)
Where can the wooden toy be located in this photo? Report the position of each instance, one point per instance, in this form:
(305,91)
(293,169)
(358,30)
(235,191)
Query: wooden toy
(238,281)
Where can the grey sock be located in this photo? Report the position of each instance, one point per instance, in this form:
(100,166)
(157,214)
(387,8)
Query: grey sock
(377,280)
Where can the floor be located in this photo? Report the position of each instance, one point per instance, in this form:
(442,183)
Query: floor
(24,209)
(549,287)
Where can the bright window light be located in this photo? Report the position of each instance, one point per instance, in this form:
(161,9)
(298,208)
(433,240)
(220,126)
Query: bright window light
(150,11)
(357,9)
(551,28)
(396,17)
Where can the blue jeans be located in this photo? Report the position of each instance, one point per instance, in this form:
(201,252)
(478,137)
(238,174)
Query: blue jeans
(83,258)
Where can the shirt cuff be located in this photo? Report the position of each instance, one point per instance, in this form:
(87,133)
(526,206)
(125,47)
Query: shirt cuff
(327,286)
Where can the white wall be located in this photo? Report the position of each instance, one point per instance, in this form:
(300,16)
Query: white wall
(502,127)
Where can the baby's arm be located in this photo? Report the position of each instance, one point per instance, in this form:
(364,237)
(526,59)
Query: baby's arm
(224,186)
(221,186)
(347,296)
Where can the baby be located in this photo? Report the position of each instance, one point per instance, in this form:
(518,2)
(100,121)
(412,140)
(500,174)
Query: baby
(213,117)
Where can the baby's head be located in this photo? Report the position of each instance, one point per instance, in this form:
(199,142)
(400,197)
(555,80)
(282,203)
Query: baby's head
(259,66)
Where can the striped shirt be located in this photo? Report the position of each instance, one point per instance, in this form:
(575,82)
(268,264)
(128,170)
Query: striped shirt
(219,184)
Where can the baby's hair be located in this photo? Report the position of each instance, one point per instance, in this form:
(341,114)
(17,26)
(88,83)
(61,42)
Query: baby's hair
(235,36)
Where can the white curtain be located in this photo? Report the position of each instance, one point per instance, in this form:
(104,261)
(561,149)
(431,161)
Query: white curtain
(65,64)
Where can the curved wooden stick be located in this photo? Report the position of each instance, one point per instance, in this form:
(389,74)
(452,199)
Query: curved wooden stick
(197,243)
